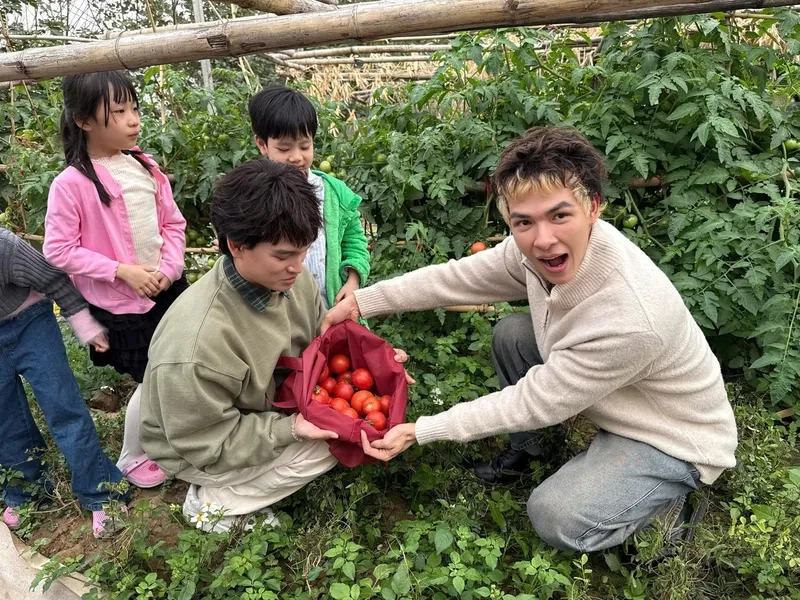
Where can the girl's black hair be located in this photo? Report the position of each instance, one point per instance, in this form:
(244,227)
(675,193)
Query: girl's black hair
(83,94)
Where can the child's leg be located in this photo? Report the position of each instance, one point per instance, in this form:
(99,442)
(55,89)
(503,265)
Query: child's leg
(18,432)
(42,360)
(140,471)
(131,448)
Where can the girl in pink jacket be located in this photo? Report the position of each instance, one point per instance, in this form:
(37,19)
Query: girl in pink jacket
(113,225)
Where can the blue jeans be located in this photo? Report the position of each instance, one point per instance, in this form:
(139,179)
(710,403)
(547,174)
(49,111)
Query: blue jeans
(31,347)
(603,495)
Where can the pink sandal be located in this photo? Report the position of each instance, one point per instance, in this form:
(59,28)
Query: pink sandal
(11,518)
(144,473)
(104,525)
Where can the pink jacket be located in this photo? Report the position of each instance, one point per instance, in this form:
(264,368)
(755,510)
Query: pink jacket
(89,240)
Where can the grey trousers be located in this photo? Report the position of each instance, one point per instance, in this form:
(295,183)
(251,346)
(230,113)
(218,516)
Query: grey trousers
(603,495)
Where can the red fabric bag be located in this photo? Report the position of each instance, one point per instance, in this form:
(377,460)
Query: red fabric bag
(365,350)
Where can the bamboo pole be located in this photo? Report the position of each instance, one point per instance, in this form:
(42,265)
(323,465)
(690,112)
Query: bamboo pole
(50,38)
(355,60)
(282,7)
(371,49)
(110,35)
(362,21)
(405,76)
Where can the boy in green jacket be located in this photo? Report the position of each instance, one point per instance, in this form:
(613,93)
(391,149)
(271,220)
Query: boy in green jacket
(284,125)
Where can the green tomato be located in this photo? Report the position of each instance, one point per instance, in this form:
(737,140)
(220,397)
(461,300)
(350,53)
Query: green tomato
(191,278)
(341,174)
(381,158)
(630,222)
(331,158)
(222,138)
(211,262)
(3,217)
(792,144)
(325,166)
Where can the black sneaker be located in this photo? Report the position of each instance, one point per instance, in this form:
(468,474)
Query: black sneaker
(506,467)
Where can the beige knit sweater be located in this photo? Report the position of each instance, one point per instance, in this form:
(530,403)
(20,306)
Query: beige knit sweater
(619,346)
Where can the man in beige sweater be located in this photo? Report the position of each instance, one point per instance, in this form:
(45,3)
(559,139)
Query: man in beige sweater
(608,337)
(206,412)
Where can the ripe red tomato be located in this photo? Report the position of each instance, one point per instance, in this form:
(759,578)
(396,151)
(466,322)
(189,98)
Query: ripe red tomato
(372,405)
(343,390)
(358,400)
(344,377)
(321,395)
(362,379)
(351,412)
(339,363)
(385,402)
(339,404)
(377,418)
(328,385)
(478,247)
(326,372)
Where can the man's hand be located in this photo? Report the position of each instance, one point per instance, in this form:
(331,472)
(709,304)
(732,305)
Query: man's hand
(346,309)
(398,439)
(351,285)
(163,281)
(141,279)
(99,342)
(401,357)
(309,431)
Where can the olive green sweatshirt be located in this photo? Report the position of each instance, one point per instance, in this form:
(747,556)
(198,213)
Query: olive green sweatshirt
(619,345)
(207,391)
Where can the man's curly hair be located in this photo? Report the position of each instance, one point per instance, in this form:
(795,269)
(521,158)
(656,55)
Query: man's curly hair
(545,160)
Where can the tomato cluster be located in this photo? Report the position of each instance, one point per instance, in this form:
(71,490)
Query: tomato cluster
(351,392)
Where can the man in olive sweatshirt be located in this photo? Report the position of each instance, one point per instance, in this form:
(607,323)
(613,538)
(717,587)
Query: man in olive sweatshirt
(206,415)
(608,337)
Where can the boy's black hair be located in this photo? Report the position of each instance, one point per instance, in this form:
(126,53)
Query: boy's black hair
(83,95)
(277,111)
(265,201)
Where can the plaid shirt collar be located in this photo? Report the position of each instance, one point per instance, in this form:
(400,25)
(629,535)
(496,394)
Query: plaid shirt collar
(255,295)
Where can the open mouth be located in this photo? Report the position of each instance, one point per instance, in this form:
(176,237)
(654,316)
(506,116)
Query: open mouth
(555,263)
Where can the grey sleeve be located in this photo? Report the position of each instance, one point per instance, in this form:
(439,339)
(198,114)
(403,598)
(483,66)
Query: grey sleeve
(28,269)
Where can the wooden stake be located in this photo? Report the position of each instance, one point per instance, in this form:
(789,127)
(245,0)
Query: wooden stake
(362,21)
(282,7)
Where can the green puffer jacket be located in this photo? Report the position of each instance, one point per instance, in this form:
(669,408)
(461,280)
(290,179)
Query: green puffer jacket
(345,241)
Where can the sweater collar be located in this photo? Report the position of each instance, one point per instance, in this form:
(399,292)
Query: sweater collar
(600,260)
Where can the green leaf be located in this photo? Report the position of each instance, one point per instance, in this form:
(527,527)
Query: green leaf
(642,164)
(388,594)
(701,133)
(189,587)
(766,360)
(684,110)
(723,125)
(338,591)
(355,591)
(709,306)
(401,583)
(349,569)
(442,539)
(381,572)
(458,583)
